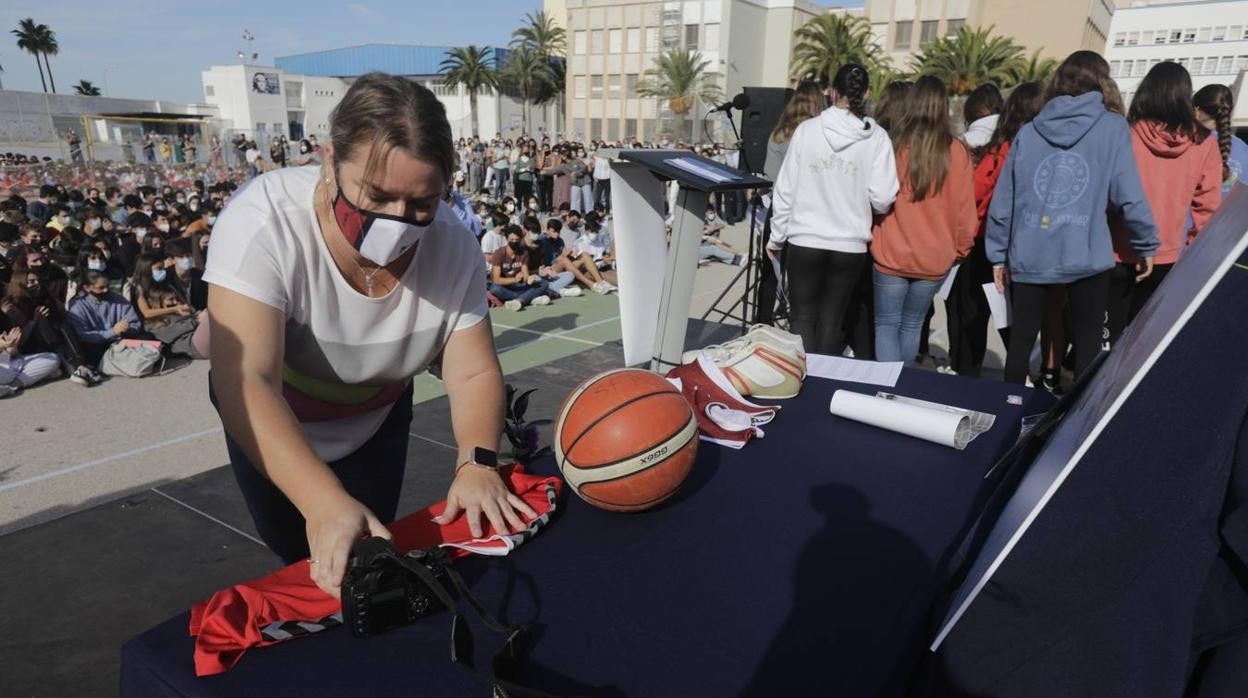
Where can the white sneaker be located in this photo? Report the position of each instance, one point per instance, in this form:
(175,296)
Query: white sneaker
(540,300)
(759,369)
(7,391)
(786,343)
(601,288)
(513,305)
(81,377)
(570,292)
(611,288)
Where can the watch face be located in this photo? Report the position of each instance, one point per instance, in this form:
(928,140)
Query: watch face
(484,456)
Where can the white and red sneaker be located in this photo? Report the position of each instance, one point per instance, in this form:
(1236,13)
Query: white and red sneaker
(766,362)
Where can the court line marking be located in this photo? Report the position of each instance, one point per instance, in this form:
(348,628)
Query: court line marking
(432,441)
(540,334)
(108,459)
(208,516)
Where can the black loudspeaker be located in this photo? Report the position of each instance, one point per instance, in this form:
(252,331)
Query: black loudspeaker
(758,121)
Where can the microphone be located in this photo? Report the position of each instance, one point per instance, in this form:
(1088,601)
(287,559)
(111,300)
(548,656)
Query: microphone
(741,101)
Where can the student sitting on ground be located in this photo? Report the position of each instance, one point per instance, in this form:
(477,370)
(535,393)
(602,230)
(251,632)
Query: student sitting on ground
(560,281)
(593,243)
(101,317)
(560,258)
(18,371)
(495,236)
(510,280)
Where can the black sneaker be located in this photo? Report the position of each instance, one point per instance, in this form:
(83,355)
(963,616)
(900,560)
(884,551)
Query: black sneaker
(94,376)
(1050,381)
(81,376)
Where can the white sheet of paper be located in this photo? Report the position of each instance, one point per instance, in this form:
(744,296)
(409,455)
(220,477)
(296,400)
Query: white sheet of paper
(693,166)
(941,424)
(999,304)
(947,285)
(854,370)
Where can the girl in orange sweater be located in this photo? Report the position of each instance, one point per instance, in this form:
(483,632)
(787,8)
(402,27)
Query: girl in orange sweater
(1181,171)
(930,227)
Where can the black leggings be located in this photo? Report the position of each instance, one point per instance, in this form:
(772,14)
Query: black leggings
(821,285)
(1088,300)
(1126,297)
(547,191)
(524,190)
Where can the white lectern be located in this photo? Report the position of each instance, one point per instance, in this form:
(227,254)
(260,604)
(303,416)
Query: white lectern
(654,316)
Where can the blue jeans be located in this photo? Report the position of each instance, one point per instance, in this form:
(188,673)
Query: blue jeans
(561,281)
(525,293)
(900,307)
(716,252)
(582,198)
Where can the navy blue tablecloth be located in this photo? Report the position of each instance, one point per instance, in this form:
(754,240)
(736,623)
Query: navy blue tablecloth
(803,564)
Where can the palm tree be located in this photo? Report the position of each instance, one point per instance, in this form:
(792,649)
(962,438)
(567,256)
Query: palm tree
(50,47)
(29,37)
(541,34)
(86,89)
(1034,69)
(524,70)
(969,59)
(827,42)
(473,67)
(681,77)
(549,42)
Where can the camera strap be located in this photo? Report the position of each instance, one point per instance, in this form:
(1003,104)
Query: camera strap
(506,659)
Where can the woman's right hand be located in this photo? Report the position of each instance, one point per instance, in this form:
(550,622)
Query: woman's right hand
(333,527)
(1001,277)
(773,254)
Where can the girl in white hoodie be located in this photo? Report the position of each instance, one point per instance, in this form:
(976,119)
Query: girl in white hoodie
(839,170)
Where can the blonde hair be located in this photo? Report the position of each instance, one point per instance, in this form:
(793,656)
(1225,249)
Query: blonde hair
(807,102)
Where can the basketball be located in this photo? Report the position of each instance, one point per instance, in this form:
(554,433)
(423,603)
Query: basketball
(625,440)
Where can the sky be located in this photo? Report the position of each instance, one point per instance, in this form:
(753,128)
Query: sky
(156,50)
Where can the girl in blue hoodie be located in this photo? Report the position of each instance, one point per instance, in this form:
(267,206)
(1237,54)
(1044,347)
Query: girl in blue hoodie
(1047,224)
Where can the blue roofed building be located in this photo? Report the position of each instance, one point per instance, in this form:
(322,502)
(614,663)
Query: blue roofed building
(295,96)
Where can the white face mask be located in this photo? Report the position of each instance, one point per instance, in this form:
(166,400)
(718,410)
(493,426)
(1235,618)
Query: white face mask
(212,220)
(381,239)
(162,227)
(140,233)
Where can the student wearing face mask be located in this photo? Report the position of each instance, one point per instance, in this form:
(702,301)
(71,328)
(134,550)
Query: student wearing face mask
(524,169)
(42,326)
(320,320)
(511,281)
(148,270)
(100,317)
(185,278)
(560,281)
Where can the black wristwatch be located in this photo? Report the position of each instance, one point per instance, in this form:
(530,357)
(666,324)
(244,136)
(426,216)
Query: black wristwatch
(485,458)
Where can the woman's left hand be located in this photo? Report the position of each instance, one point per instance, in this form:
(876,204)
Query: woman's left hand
(476,491)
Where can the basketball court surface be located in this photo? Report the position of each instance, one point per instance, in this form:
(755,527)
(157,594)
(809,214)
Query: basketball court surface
(118,508)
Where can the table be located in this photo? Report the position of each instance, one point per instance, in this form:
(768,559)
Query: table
(804,564)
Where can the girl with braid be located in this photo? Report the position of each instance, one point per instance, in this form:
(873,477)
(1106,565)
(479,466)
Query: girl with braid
(1213,112)
(838,172)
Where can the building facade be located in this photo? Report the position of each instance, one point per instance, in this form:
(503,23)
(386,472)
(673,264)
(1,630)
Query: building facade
(294,97)
(612,43)
(1208,38)
(1056,28)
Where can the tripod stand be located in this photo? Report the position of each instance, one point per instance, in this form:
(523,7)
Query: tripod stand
(749,298)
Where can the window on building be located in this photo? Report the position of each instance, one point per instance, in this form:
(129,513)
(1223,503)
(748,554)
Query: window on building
(597,130)
(277,128)
(1198,66)
(691,37)
(1225,64)
(953,25)
(1139,69)
(1146,38)
(710,36)
(209,91)
(578,87)
(613,86)
(1113,68)
(630,85)
(632,41)
(927,31)
(1219,34)
(1160,37)
(1189,35)
(652,40)
(1241,63)
(1203,33)
(1133,39)
(630,128)
(901,40)
(595,87)
(579,45)
(613,130)
(1176,35)
(597,41)
(1120,38)
(615,41)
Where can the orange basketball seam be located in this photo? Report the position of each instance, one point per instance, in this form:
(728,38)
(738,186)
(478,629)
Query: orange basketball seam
(664,440)
(589,427)
(694,440)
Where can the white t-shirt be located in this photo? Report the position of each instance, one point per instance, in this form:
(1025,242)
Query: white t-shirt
(348,357)
(491,241)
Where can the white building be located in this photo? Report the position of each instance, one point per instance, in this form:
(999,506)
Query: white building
(294,98)
(1209,38)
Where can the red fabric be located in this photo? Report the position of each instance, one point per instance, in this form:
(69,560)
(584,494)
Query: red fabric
(1180,176)
(987,172)
(230,622)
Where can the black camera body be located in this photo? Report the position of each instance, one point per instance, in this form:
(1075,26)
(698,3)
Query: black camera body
(381,592)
